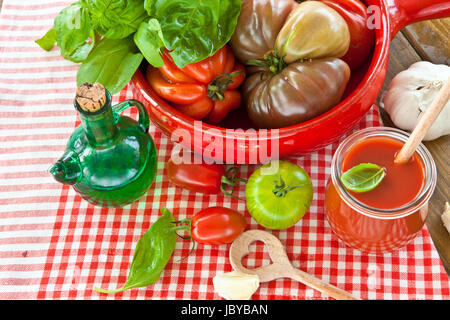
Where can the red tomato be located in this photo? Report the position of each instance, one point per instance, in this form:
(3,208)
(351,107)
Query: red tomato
(198,109)
(207,70)
(202,177)
(183,93)
(238,79)
(362,39)
(231,101)
(171,72)
(199,88)
(217,225)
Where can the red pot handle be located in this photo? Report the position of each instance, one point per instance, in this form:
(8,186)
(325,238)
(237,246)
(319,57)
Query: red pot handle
(405,12)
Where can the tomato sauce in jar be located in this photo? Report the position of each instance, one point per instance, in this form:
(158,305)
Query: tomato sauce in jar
(389,216)
(402,183)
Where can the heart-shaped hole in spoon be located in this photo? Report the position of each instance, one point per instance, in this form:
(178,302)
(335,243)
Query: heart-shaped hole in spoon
(279,260)
(280,267)
(257,256)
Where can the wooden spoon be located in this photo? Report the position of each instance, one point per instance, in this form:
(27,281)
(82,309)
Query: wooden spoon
(424,124)
(281,266)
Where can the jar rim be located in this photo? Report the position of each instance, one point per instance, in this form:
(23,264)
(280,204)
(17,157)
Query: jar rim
(430,174)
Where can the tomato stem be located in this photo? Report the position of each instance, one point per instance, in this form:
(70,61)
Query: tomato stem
(272,61)
(184,224)
(218,86)
(281,189)
(230,179)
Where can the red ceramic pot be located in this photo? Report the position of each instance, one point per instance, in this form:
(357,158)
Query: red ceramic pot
(236,142)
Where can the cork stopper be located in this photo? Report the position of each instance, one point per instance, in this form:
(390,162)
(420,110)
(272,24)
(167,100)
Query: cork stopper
(91,97)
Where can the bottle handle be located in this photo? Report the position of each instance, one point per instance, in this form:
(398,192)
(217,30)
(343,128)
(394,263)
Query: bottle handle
(143,121)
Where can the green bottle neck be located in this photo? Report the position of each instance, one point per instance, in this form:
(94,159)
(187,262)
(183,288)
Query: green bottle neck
(99,126)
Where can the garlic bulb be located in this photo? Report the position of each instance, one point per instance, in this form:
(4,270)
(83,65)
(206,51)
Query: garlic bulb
(236,285)
(412,91)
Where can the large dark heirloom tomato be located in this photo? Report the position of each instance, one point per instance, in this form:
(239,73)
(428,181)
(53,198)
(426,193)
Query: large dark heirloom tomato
(301,91)
(295,51)
(258,26)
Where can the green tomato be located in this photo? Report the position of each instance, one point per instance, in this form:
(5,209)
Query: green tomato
(278,194)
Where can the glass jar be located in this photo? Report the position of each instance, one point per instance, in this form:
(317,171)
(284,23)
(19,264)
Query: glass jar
(373,230)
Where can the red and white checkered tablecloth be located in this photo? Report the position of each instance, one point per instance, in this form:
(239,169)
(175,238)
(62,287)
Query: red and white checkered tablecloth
(54,245)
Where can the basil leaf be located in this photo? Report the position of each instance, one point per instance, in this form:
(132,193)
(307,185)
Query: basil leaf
(48,40)
(116,19)
(112,63)
(194,29)
(228,17)
(363,177)
(74,33)
(152,253)
(150,40)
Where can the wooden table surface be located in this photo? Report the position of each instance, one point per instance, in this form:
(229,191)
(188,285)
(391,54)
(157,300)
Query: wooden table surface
(430,41)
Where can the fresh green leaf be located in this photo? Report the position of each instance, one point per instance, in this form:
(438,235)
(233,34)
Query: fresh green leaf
(150,40)
(228,17)
(363,177)
(116,19)
(112,63)
(152,253)
(74,33)
(194,29)
(48,40)
(149,5)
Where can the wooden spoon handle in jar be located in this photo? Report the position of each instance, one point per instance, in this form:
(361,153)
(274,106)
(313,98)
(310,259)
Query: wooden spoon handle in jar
(320,285)
(424,124)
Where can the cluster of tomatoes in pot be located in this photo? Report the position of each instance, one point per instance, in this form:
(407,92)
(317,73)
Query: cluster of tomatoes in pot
(299,58)
(203,90)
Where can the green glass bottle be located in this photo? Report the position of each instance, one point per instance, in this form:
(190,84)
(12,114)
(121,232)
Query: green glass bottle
(110,159)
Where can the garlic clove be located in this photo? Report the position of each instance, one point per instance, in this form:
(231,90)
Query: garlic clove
(236,285)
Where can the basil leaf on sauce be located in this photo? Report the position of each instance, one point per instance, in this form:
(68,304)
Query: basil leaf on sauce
(363,177)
